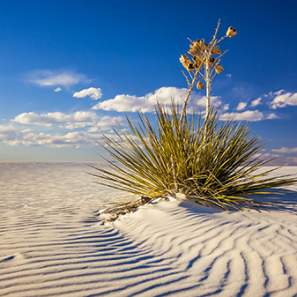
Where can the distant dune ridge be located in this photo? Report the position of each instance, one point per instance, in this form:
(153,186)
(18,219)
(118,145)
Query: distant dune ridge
(53,243)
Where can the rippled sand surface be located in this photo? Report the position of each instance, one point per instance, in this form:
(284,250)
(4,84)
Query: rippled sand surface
(52,242)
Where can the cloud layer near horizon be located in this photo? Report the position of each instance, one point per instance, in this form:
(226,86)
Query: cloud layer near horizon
(57,129)
(86,127)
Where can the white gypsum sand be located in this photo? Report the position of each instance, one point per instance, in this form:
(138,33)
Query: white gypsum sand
(52,242)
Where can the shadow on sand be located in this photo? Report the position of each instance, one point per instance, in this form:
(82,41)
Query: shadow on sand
(281,200)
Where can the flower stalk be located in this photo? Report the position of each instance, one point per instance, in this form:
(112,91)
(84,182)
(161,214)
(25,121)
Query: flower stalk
(202,63)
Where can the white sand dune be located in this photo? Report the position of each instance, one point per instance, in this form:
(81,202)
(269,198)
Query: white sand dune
(52,242)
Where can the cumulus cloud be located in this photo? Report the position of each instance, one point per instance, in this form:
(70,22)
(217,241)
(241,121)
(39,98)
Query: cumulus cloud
(272,116)
(16,135)
(248,115)
(241,106)
(283,99)
(276,93)
(63,130)
(285,150)
(286,155)
(93,93)
(57,90)
(10,134)
(70,139)
(74,139)
(256,102)
(49,78)
(50,118)
(28,138)
(105,123)
(146,103)
(226,107)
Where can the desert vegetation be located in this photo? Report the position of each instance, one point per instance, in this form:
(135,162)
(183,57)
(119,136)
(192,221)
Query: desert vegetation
(187,155)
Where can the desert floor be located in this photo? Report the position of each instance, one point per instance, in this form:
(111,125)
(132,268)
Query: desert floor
(53,243)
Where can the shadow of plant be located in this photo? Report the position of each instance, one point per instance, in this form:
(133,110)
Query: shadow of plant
(284,200)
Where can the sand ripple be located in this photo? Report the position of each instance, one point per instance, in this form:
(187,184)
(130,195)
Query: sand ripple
(52,243)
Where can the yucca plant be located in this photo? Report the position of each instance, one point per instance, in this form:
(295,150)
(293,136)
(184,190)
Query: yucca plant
(172,158)
(181,155)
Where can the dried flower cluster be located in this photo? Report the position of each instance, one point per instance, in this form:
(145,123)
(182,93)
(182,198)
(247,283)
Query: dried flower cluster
(202,63)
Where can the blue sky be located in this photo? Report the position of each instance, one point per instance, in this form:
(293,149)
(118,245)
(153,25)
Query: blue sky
(59,59)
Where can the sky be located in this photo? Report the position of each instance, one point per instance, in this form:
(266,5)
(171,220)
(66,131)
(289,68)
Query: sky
(70,71)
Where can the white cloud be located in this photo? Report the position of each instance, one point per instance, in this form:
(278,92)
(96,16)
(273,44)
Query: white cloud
(57,90)
(248,115)
(6,129)
(272,116)
(277,93)
(10,134)
(93,93)
(31,118)
(284,99)
(91,128)
(256,102)
(146,103)
(226,107)
(83,116)
(70,139)
(49,78)
(70,121)
(286,155)
(241,106)
(106,122)
(201,102)
(50,118)
(285,150)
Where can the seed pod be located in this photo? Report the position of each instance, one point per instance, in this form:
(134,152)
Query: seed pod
(185,61)
(200,85)
(211,60)
(216,51)
(231,32)
(198,61)
(190,66)
(203,45)
(196,47)
(219,69)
